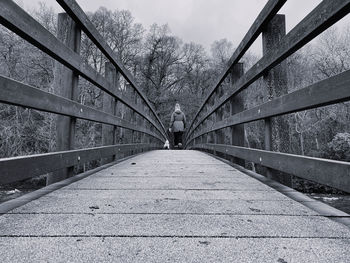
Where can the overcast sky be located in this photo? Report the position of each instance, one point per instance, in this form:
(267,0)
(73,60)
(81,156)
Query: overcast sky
(200,21)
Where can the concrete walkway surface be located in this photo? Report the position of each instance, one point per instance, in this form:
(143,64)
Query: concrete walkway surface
(170,206)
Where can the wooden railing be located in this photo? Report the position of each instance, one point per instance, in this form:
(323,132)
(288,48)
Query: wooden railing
(206,130)
(144,128)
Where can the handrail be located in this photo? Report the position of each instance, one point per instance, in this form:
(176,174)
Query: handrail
(20,22)
(78,15)
(270,10)
(202,136)
(322,17)
(313,96)
(19,94)
(23,167)
(310,168)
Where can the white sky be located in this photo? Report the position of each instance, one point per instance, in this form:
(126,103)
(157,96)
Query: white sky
(200,21)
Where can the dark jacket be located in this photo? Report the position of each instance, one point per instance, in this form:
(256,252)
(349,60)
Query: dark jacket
(178,121)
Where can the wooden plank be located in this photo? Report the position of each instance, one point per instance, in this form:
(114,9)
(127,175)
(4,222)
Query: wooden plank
(19,94)
(326,92)
(322,17)
(79,16)
(324,171)
(20,22)
(269,11)
(24,167)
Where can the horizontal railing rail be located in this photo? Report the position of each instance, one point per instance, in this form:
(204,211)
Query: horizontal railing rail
(322,17)
(208,129)
(19,94)
(268,12)
(78,15)
(20,22)
(146,133)
(25,167)
(310,168)
(313,96)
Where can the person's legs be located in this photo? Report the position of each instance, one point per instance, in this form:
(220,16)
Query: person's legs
(176,138)
(180,138)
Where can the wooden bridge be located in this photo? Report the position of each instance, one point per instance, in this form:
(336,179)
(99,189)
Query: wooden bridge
(195,205)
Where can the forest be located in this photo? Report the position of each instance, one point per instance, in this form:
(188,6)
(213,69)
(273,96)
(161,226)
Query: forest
(170,70)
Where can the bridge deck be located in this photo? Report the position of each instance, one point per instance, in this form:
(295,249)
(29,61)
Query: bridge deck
(170,206)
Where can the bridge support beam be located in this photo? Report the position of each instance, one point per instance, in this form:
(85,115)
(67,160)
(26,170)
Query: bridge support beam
(236,106)
(276,129)
(66,85)
(109,132)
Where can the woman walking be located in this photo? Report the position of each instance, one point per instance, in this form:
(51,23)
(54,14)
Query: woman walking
(177,125)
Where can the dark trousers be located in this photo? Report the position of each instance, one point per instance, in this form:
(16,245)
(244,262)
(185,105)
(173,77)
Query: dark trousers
(177,138)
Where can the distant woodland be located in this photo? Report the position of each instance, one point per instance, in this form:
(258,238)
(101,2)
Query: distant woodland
(170,70)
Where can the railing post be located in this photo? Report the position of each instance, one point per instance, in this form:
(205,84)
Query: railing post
(220,134)
(203,136)
(143,123)
(214,118)
(118,130)
(276,129)
(148,125)
(109,106)
(209,124)
(122,109)
(133,120)
(128,138)
(66,85)
(139,122)
(205,125)
(236,106)
(206,136)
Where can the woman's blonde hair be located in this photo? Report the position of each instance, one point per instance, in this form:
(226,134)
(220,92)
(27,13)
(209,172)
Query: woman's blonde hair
(177,106)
